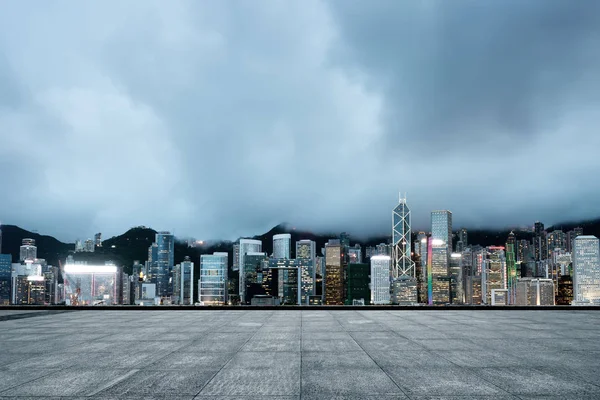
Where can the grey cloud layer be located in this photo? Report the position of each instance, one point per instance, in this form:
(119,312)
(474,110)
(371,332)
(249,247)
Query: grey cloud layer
(220,119)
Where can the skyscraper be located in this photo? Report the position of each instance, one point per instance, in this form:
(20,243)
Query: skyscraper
(401,241)
(98,239)
(5,278)
(306,257)
(212,285)
(246,246)
(380,279)
(281,245)
(28,251)
(186,282)
(438,274)
(463,237)
(165,243)
(441,226)
(493,272)
(586,270)
(355,254)
(335,271)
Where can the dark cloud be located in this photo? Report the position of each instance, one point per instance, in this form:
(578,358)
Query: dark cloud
(221,119)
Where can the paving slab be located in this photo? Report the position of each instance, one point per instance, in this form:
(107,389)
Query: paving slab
(301,354)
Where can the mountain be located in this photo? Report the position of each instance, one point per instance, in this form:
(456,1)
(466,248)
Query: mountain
(133,245)
(49,248)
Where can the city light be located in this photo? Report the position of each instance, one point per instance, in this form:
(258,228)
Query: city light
(90,269)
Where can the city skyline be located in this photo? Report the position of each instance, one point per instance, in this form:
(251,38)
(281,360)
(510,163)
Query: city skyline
(217,119)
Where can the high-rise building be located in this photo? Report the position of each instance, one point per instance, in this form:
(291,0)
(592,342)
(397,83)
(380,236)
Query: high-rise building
(246,246)
(186,282)
(289,279)
(586,270)
(493,272)
(402,263)
(380,279)
(564,295)
(357,286)
(540,242)
(335,273)
(405,291)
(438,274)
(162,268)
(212,285)
(511,267)
(5,278)
(306,249)
(236,257)
(534,292)
(441,227)
(28,251)
(307,260)
(255,270)
(282,245)
(457,293)
(557,239)
(92,284)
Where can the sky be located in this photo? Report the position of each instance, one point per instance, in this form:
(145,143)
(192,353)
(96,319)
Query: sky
(217,119)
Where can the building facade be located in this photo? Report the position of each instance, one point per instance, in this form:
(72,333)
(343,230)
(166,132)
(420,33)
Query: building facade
(586,270)
(212,285)
(380,279)
(282,245)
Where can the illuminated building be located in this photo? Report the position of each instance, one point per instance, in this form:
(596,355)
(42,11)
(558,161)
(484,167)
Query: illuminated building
(212,285)
(27,283)
(556,240)
(565,290)
(586,270)
(402,263)
(335,273)
(307,261)
(438,277)
(91,284)
(28,251)
(457,293)
(540,243)
(5,278)
(357,287)
(463,239)
(499,297)
(404,291)
(380,279)
(493,272)
(511,267)
(289,286)
(306,249)
(525,252)
(441,227)
(534,292)
(163,267)
(281,245)
(246,246)
(255,273)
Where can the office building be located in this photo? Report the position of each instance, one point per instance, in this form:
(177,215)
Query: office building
(162,265)
(289,280)
(236,257)
(212,285)
(571,235)
(556,239)
(402,263)
(380,279)
(493,272)
(246,246)
(511,267)
(438,278)
(27,283)
(282,245)
(405,291)
(98,239)
(499,297)
(586,270)
(5,278)
(457,293)
(540,242)
(564,295)
(463,239)
(441,227)
(89,246)
(357,286)
(185,272)
(335,273)
(28,250)
(534,292)
(254,278)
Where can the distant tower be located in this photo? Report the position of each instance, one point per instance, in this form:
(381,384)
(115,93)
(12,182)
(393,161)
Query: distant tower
(28,250)
(586,270)
(402,263)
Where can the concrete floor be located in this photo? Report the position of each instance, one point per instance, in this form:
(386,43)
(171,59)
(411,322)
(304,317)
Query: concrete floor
(312,354)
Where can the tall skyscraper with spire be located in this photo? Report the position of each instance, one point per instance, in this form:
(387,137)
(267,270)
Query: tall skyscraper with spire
(402,264)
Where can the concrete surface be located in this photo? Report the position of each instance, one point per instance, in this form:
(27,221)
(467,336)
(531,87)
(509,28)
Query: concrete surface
(311,354)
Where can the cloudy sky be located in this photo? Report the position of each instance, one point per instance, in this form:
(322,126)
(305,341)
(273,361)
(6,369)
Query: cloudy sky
(223,118)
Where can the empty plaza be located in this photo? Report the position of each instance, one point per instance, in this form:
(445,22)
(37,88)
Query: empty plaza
(301,354)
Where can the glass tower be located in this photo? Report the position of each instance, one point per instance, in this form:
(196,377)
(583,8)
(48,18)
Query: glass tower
(163,267)
(212,286)
(586,269)
(401,241)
